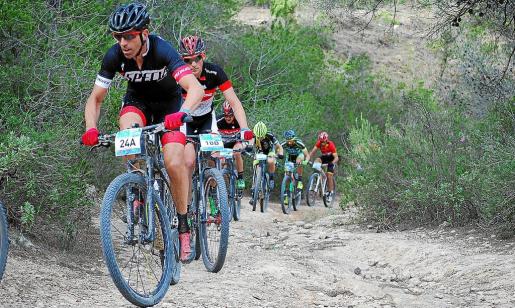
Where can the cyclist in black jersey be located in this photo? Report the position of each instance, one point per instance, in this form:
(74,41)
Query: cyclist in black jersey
(229,128)
(155,73)
(266,143)
(211,77)
(296,152)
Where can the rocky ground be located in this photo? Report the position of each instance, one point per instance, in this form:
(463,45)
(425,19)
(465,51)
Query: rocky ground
(316,257)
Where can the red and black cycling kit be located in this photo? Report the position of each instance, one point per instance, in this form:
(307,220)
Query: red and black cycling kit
(230,131)
(152,91)
(328,150)
(211,78)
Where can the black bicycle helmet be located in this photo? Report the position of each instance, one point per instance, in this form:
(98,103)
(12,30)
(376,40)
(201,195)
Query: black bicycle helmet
(129,16)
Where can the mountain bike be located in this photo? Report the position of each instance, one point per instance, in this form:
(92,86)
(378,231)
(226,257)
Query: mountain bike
(138,219)
(208,214)
(290,194)
(318,186)
(260,182)
(226,164)
(4,239)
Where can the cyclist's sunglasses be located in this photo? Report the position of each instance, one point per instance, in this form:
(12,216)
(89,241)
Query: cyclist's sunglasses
(192,59)
(228,115)
(128,36)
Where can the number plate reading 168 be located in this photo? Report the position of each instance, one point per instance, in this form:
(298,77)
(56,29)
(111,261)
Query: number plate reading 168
(211,142)
(128,141)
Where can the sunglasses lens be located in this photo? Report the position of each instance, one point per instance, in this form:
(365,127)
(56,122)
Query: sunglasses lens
(191,60)
(126,36)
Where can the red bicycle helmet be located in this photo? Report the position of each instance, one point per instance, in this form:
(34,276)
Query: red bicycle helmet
(191,46)
(226,108)
(323,136)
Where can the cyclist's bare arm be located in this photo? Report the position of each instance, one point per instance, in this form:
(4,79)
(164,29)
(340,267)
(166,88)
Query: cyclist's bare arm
(92,109)
(313,151)
(194,89)
(336,158)
(306,154)
(279,149)
(237,107)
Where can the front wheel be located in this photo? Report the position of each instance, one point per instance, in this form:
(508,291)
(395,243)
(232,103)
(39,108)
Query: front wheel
(286,195)
(140,268)
(4,239)
(214,224)
(256,187)
(312,193)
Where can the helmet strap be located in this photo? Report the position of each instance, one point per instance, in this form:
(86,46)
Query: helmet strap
(142,44)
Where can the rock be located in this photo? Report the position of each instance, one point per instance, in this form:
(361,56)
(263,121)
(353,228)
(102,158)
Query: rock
(370,226)
(323,236)
(414,282)
(372,262)
(444,224)
(300,223)
(357,271)
(308,226)
(438,295)
(267,233)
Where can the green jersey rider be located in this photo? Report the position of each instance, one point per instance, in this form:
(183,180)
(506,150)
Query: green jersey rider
(296,152)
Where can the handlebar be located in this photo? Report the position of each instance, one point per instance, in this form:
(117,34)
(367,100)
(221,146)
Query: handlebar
(105,140)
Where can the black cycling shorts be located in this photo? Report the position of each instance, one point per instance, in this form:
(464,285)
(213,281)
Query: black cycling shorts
(202,124)
(151,113)
(327,159)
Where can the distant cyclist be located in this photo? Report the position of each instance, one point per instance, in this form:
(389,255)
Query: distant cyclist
(266,143)
(229,128)
(212,77)
(155,73)
(296,152)
(329,157)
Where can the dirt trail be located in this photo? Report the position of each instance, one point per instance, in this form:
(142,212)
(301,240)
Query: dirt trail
(313,258)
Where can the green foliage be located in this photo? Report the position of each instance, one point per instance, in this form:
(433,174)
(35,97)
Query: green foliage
(434,165)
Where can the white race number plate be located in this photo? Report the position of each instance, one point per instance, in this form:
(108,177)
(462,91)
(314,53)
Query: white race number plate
(128,141)
(211,142)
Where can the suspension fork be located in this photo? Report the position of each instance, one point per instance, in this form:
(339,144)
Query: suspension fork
(150,203)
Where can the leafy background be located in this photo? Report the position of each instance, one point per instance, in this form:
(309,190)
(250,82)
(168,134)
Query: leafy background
(411,154)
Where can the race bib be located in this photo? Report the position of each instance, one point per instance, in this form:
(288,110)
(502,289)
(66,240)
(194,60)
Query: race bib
(211,142)
(261,156)
(128,142)
(289,166)
(317,166)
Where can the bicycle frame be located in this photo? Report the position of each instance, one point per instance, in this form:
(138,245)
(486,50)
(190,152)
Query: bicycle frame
(152,157)
(321,180)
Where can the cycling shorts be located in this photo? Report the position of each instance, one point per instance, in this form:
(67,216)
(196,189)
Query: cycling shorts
(293,158)
(154,113)
(327,159)
(201,125)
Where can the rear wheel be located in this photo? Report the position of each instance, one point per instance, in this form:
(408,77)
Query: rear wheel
(214,223)
(329,201)
(286,195)
(171,210)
